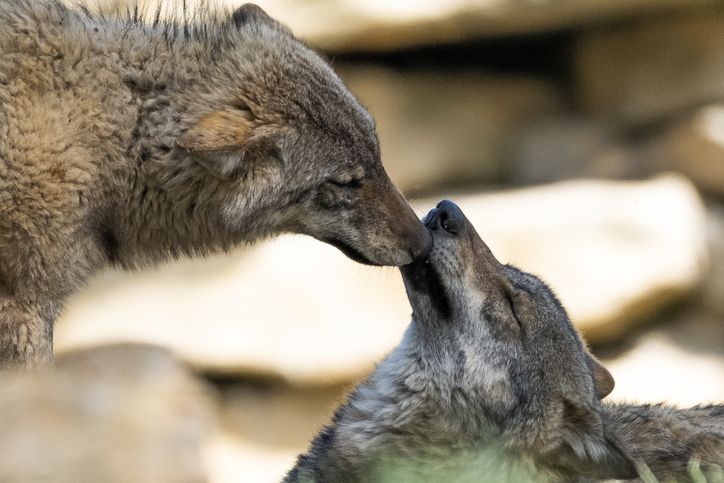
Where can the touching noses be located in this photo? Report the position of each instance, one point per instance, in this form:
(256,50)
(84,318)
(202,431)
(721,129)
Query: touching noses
(446,216)
(422,247)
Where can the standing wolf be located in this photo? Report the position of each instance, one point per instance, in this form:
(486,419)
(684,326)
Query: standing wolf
(128,143)
(492,383)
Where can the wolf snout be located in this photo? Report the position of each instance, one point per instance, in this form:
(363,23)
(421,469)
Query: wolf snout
(446,216)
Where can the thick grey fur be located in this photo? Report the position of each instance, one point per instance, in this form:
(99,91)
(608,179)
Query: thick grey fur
(492,383)
(125,142)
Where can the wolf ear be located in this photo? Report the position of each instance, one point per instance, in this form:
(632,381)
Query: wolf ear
(223,141)
(251,14)
(589,448)
(218,131)
(601,377)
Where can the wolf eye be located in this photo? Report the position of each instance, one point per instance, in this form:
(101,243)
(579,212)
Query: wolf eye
(509,298)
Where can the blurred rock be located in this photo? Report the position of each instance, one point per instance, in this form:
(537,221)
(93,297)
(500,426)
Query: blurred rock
(265,428)
(678,362)
(614,252)
(292,308)
(570,146)
(439,129)
(639,73)
(713,287)
(297,309)
(695,147)
(565,147)
(112,414)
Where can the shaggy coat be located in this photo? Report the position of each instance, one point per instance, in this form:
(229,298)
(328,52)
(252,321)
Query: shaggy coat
(125,142)
(492,383)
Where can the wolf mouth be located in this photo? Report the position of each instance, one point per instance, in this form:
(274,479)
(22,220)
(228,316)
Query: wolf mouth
(424,277)
(350,251)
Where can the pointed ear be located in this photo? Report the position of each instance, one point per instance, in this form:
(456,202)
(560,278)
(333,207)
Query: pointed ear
(224,141)
(218,131)
(251,14)
(589,448)
(601,377)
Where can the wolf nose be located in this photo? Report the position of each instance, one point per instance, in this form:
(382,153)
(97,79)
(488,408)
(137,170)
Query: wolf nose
(446,216)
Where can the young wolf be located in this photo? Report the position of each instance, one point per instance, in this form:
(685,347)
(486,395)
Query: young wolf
(128,143)
(492,383)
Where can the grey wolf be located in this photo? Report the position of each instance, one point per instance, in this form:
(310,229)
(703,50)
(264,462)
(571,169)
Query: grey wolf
(491,382)
(128,141)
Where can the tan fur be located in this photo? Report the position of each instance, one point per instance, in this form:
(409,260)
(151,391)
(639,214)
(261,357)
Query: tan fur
(126,143)
(218,131)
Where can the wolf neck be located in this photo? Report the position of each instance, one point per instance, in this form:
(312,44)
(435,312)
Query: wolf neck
(405,423)
(412,397)
(173,206)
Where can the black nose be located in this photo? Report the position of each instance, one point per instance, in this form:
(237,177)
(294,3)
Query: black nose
(446,216)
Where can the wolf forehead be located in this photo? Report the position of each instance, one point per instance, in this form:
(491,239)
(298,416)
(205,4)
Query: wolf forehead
(248,62)
(514,308)
(547,310)
(290,80)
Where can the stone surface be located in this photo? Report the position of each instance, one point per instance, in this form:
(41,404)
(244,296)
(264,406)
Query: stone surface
(297,309)
(694,146)
(293,308)
(565,147)
(439,129)
(652,69)
(710,295)
(115,414)
(614,252)
(263,429)
(680,361)
(568,146)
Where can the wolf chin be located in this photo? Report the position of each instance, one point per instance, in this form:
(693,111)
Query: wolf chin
(128,141)
(491,382)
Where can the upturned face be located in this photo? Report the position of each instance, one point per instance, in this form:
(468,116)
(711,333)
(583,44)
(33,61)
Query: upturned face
(518,357)
(287,137)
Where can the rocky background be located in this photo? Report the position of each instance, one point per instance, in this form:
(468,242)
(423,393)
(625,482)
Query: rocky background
(584,138)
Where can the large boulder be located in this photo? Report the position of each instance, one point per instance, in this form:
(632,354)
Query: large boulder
(297,309)
(440,129)
(640,73)
(615,252)
(694,146)
(111,414)
(713,287)
(678,361)
(567,146)
(563,147)
(264,427)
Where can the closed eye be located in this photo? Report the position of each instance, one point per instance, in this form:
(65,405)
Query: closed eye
(509,298)
(349,184)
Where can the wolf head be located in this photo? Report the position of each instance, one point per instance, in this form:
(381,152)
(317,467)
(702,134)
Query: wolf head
(279,126)
(512,353)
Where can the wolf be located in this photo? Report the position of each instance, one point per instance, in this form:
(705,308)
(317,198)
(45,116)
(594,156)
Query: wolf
(491,382)
(127,141)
